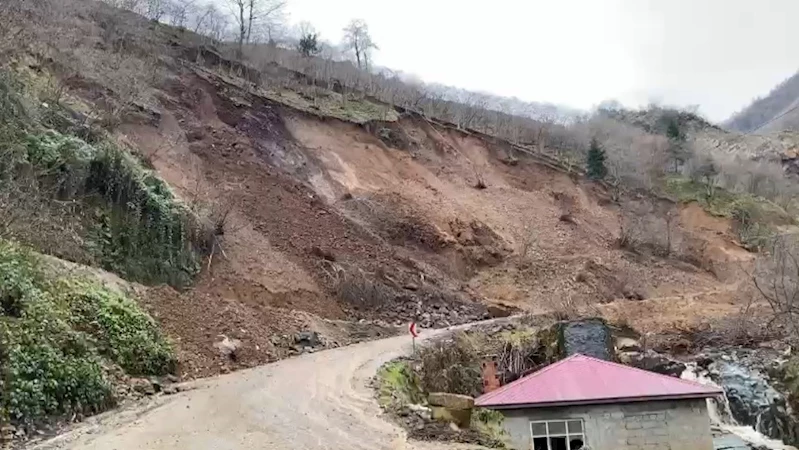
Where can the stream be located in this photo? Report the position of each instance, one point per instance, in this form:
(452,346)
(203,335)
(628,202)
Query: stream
(754,399)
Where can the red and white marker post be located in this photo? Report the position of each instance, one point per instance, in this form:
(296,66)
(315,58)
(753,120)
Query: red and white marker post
(414,334)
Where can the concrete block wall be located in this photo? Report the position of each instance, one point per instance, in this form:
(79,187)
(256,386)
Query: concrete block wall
(654,425)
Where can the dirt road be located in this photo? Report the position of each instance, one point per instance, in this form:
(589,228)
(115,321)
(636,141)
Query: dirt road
(316,401)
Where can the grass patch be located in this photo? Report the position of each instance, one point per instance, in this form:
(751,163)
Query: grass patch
(397,385)
(755,219)
(332,104)
(59,342)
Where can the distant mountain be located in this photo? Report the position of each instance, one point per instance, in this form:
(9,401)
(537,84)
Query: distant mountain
(777,111)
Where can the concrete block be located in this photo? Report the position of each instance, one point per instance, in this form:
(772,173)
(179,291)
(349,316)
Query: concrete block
(450,401)
(460,417)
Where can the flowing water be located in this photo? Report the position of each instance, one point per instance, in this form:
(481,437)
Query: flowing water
(722,418)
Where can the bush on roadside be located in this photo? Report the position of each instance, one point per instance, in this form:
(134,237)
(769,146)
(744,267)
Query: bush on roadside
(60,340)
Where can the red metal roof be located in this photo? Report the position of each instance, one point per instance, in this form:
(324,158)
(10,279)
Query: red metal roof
(580,379)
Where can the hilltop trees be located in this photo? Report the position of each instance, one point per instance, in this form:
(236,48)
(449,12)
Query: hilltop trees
(248,12)
(308,44)
(358,39)
(677,143)
(596,168)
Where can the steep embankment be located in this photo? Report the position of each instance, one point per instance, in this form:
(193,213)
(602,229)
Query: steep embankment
(383,220)
(332,213)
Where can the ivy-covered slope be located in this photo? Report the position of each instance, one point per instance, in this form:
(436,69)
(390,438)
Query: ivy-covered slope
(70,191)
(87,199)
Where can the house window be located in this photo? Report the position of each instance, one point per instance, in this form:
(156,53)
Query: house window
(558,435)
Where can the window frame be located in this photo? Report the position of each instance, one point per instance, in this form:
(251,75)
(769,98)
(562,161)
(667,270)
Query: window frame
(567,434)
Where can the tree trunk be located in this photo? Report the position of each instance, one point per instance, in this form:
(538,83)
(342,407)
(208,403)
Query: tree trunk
(241,29)
(249,21)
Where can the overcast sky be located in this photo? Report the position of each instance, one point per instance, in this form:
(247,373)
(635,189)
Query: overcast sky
(718,54)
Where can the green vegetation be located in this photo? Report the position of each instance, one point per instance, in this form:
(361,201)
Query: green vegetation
(130,221)
(397,385)
(755,219)
(60,340)
(489,423)
(596,169)
(454,365)
(348,107)
(308,45)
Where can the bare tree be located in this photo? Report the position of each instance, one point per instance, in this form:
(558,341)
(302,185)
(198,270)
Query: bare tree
(776,278)
(156,9)
(249,12)
(179,12)
(358,39)
(204,17)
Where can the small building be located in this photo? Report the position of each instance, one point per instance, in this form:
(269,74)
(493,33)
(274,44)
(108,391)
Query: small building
(586,403)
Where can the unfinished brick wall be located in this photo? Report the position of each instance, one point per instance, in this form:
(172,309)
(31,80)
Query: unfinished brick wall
(659,425)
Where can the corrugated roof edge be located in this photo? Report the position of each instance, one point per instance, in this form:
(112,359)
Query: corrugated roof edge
(480,400)
(484,399)
(601,401)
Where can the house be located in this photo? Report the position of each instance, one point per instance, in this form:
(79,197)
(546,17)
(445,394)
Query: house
(586,403)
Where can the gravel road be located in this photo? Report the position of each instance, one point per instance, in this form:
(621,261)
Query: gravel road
(315,401)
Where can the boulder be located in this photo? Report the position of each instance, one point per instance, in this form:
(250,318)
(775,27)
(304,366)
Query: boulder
(653,362)
(452,408)
(420,410)
(308,339)
(228,347)
(589,337)
(142,386)
(627,344)
(7,433)
(460,417)
(451,401)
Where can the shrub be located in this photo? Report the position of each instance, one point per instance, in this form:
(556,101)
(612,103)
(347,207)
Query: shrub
(398,385)
(58,341)
(122,331)
(451,366)
(752,232)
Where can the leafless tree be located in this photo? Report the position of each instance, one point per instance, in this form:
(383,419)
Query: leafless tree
(156,9)
(776,278)
(179,12)
(249,12)
(358,39)
(204,17)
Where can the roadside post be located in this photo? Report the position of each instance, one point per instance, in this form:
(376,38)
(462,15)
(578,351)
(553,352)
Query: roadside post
(414,334)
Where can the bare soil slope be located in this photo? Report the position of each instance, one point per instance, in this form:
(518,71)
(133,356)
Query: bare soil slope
(348,228)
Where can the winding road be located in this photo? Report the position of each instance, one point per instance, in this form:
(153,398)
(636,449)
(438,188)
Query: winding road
(315,401)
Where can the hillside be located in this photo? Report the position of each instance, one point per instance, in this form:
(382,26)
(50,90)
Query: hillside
(775,112)
(260,206)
